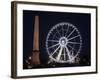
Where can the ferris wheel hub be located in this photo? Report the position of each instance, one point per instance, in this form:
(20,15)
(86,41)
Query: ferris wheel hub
(63,41)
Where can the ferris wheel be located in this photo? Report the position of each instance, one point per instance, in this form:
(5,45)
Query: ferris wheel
(63,43)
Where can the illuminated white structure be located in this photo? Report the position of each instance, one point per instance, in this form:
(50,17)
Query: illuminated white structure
(63,43)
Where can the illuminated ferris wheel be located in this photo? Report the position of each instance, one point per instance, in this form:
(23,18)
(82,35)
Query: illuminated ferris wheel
(63,43)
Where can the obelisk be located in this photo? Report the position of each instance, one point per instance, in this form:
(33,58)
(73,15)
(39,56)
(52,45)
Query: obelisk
(35,52)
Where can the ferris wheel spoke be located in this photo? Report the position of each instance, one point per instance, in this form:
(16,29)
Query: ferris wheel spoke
(64,54)
(55,50)
(72,53)
(74,37)
(53,40)
(70,46)
(58,32)
(73,42)
(62,31)
(67,30)
(71,32)
(53,46)
(59,55)
(56,36)
(68,52)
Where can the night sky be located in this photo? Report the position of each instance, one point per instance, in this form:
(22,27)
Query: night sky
(47,21)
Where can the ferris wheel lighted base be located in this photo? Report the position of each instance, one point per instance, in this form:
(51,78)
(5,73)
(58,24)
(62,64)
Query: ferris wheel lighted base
(63,43)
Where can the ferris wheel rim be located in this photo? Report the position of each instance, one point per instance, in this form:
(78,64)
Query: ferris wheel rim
(55,26)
